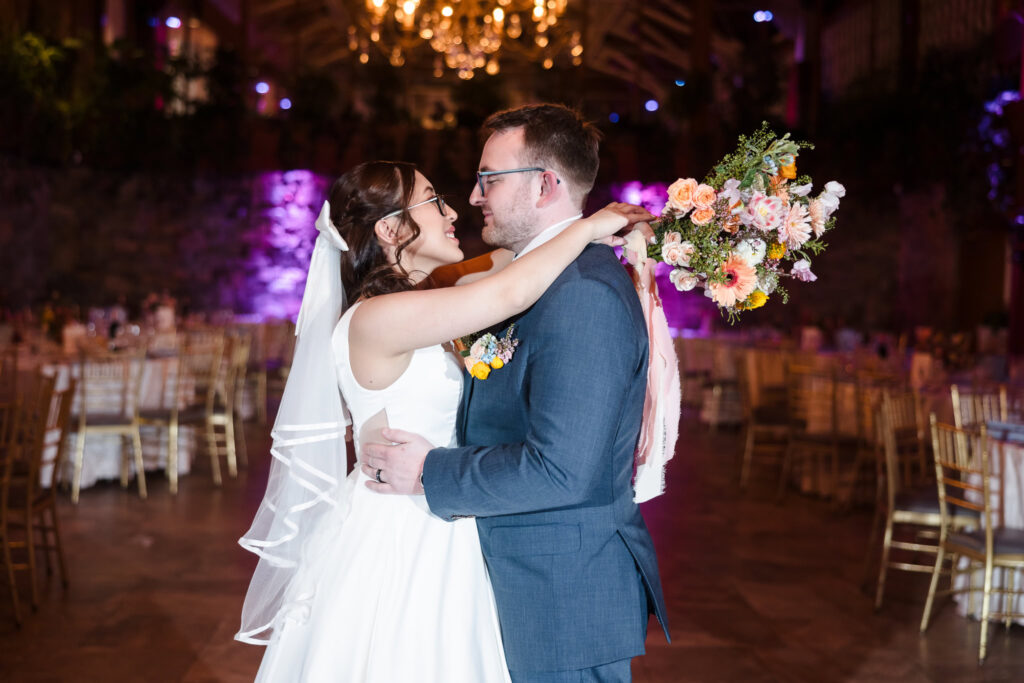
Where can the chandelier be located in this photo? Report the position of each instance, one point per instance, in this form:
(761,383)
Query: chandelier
(466,34)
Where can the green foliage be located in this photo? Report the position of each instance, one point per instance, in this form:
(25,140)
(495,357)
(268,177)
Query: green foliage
(749,161)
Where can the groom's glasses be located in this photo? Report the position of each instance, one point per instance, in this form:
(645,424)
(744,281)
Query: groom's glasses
(441,207)
(481,175)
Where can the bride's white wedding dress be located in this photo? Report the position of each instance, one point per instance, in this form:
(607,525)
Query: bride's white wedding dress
(397,593)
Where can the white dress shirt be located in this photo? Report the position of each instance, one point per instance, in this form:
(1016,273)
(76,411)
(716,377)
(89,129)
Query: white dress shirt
(548,234)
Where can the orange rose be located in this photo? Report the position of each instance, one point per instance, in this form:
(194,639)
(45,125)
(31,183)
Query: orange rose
(788,171)
(704,197)
(702,216)
(680,194)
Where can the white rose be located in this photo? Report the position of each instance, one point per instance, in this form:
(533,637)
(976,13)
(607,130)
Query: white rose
(829,203)
(672,237)
(683,279)
(751,250)
(832,187)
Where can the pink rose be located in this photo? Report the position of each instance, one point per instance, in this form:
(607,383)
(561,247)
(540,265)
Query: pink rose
(763,212)
(680,194)
(677,253)
(671,237)
(704,197)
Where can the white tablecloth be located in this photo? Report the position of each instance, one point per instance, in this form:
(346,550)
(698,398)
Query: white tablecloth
(103,452)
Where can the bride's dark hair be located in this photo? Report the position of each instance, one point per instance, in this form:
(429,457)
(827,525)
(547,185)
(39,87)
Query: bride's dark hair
(358,200)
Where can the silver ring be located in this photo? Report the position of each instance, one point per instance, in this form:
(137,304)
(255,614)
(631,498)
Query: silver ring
(377,477)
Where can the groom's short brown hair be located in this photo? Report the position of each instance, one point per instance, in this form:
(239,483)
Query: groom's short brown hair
(555,137)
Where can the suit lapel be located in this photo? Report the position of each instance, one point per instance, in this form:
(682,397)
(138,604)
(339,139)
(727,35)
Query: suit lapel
(469,384)
(467,394)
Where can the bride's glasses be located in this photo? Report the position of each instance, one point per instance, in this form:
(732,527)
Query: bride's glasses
(439,199)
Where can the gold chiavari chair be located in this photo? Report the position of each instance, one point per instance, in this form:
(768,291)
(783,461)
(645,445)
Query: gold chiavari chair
(963,478)
(911,507)
(48,461)
(9,411)
(109,404)
(229,395)
(279,354)
(32,507)
(866,434)
(720,399)
(190,396)
(8,372)
(695,363)
(256,369)
(765,413)
(813,440)
(1015,404)
(978,406)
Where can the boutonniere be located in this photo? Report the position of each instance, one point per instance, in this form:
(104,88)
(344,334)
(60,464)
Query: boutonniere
(483,352)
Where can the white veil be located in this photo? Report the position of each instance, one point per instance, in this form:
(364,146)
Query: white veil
(307,473)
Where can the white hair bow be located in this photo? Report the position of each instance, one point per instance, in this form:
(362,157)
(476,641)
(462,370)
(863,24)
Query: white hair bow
(323,293)
(329,229)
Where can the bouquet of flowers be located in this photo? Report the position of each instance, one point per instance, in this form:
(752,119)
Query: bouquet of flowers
(748,226)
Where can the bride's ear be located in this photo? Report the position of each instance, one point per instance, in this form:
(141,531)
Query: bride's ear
(386,233)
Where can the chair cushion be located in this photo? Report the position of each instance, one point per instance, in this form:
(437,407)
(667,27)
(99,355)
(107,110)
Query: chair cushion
(103,420)
(1004,541)
(163,414)
(192,414)
(918,500)
(926,500)
(771,415)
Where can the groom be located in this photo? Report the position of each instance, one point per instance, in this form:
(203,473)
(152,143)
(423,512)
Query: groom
(550,437)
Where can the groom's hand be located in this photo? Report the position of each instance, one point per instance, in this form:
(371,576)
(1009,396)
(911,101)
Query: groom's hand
(400,464)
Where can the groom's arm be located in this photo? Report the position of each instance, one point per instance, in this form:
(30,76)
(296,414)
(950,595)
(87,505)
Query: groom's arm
(585,357)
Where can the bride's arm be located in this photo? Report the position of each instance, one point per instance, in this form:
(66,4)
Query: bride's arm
(471,270)
(395,324)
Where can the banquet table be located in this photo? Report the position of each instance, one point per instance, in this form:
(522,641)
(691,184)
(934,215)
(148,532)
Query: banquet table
(103,452)
(1006,462)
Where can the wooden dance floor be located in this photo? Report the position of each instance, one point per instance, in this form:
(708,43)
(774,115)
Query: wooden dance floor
(756,591)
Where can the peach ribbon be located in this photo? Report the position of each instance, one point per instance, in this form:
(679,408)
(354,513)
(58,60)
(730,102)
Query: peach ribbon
(663,401)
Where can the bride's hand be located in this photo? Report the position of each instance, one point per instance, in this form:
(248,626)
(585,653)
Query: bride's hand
(618,218)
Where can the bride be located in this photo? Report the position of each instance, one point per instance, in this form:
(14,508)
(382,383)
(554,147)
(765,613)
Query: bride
(353,586)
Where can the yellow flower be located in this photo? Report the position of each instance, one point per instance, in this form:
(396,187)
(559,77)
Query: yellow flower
(776,250)
(480,370)
(497,363)
(756,299)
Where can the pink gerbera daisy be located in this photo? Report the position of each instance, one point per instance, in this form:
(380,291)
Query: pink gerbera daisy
(740,281)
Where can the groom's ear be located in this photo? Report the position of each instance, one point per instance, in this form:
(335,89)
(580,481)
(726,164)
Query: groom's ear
(550,188)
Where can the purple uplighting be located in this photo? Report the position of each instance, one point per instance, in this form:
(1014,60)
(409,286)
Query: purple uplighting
(687,313)
(282,241)
(650,196)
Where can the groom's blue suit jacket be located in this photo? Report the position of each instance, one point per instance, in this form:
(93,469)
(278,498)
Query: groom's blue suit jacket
(547,470)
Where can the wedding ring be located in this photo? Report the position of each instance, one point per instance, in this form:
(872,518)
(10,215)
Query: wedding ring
(377,477)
